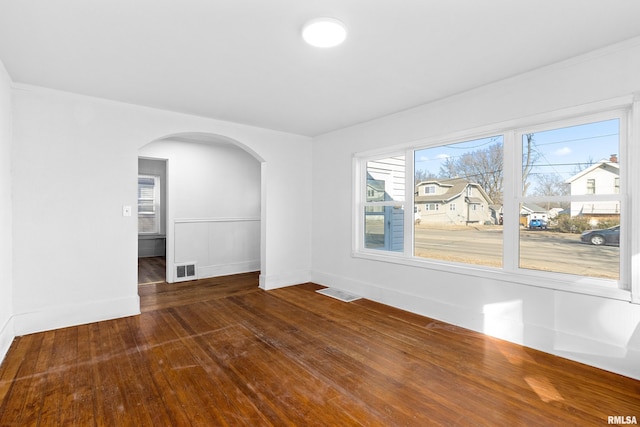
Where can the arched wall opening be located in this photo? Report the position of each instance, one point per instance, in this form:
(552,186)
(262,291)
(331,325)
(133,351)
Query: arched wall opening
(211,207)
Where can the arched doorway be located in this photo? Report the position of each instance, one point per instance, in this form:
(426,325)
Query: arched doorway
(211,208)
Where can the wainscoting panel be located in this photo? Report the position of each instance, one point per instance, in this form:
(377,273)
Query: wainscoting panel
(219,246)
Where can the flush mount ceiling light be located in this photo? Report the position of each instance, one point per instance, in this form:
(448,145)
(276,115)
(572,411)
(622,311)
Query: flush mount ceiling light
(324,32)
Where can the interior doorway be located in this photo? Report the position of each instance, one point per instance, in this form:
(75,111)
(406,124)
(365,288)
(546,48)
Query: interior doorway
(211,208)
(152,214)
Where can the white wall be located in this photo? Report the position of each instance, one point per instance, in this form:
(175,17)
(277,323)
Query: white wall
(598,331)
(6,258)
(75,165)
(214,206)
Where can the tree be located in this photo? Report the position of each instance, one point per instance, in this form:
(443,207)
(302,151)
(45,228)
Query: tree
(529,157)
(422,175)
(484,167)
(582,166)
(448,168)
(552,185)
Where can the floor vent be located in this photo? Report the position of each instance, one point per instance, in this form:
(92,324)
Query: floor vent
(185,271)
(338,294)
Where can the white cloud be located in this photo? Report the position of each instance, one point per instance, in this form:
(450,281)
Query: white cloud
(442,156)
(564,151)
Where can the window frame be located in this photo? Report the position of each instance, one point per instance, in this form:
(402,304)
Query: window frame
(623,115)
(627,288)
(361,203)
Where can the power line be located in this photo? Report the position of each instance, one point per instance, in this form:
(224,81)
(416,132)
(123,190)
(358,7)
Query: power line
(578,139)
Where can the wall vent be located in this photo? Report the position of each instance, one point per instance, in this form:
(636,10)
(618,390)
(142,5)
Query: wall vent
(185,271)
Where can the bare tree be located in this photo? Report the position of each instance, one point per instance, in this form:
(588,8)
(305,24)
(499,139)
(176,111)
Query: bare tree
(552,185)
(448,168)
(582,166)
(529,157)
(484,166)
(422,175)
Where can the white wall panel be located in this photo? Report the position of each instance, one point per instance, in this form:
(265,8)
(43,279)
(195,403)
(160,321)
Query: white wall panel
(191,242)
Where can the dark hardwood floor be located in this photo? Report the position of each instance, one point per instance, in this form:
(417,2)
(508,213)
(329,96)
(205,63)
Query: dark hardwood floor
(151,270)
(223,352)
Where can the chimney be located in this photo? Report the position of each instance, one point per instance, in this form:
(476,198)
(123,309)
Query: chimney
(613,158)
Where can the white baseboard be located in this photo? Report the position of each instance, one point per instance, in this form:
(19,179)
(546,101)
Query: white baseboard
(603,355)
(6,337)
(207,271)
(76,314)
(289,278)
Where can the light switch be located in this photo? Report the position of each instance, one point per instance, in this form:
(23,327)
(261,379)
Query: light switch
(126,210)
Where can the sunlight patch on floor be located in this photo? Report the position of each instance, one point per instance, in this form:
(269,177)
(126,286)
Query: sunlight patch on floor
(544,389)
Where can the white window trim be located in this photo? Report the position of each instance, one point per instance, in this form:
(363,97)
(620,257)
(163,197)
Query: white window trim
(633,176)
(626,289)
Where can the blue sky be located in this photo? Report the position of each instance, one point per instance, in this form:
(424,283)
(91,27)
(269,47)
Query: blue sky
(561,151)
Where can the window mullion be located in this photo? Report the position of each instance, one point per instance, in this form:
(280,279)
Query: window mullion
(359,198)
(511,206)
(633,182)
(409,203)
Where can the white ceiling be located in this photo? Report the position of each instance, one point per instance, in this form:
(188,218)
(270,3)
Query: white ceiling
(244,60)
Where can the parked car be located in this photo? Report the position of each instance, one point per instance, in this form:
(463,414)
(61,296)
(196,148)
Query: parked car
(606,236)
(540,224)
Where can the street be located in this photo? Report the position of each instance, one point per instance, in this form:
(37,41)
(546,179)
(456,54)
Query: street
(539,249)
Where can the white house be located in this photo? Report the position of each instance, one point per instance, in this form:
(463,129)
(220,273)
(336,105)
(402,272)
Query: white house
(529,211)
(600,178)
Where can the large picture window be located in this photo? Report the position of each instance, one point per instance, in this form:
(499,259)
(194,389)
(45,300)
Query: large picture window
(464,177)
(545,204)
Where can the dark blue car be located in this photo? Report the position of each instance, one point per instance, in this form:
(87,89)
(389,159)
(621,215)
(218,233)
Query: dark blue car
(607,236)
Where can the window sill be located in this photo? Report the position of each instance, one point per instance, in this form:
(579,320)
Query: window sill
(554,281)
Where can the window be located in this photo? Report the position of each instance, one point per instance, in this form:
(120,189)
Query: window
(429,189)
(148,204)
(384,206)
(468,174)
(560,219)
(560,168)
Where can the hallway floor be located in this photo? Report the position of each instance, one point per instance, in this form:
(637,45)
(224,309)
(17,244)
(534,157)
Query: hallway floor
(152,270)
